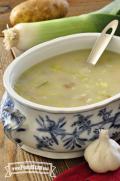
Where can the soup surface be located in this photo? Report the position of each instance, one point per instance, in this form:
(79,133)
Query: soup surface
(68,81)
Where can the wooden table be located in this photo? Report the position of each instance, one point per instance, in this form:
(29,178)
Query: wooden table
(9,152)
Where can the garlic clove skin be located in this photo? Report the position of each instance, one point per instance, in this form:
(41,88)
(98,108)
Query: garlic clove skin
(103,154)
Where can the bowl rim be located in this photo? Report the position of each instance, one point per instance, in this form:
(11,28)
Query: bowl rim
(51,109)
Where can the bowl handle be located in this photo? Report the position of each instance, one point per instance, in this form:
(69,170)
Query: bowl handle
(11,117)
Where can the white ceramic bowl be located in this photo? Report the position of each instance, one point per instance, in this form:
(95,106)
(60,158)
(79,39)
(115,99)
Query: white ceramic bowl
(49,131)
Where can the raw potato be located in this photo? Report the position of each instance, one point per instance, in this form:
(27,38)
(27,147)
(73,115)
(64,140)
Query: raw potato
(38,10)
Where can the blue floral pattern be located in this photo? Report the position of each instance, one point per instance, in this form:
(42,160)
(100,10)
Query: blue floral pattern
(44,142)
(82,124)
(53,132)
(12,118)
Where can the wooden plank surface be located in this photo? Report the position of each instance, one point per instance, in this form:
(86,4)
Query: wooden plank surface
(9,152)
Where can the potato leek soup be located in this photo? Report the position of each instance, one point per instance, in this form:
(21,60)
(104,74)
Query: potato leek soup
(67,80)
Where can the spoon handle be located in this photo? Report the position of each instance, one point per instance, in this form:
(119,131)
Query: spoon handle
(102,42)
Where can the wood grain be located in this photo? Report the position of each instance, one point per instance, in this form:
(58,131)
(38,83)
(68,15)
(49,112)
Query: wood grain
(9,152)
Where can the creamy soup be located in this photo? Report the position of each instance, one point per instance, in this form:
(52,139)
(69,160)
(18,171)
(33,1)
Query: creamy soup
(68,81)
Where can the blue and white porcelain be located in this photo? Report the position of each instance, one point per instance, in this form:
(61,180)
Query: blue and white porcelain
(53,132)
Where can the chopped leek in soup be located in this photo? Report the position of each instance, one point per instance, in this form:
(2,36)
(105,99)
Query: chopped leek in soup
(68,81)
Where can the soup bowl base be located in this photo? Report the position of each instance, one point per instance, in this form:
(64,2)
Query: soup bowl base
(53,155)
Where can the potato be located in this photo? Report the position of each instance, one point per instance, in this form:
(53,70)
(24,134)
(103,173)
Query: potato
(38,10)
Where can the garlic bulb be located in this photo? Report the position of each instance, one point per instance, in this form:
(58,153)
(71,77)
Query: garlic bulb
(103,154)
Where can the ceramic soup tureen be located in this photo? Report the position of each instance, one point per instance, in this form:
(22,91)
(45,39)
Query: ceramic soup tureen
(50,131)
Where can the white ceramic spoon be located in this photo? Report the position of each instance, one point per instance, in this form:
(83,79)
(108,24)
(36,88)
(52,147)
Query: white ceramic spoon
(102,42)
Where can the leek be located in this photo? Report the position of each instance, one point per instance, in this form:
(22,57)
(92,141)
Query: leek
(26,35)
(41,85)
